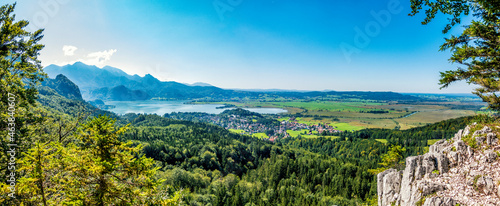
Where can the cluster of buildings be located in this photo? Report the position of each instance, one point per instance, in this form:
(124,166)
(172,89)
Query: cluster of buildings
(273,129)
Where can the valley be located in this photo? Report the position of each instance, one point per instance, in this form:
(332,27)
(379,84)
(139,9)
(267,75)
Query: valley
(341,110)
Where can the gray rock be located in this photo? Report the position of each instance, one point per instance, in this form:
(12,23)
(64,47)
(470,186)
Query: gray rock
(486,185)
(480,134)
(491,139)
(409,188)
(442,163)
(408,177)
(498,191)
(491,156)
(480,139)
(460,146)
(466,131)
(439,146)
(440,201)
(453,157)
(458,135)
(426,188)
(470,152)
(392,185)
(428,165)
(380,184)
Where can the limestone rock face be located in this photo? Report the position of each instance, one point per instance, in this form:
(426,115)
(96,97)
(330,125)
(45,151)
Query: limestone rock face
(451,173)
(485,184)
(491,139)
(491,156)
(381,187)
(440,201)
(390,183)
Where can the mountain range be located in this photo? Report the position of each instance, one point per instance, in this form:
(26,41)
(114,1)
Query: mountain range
(109,83)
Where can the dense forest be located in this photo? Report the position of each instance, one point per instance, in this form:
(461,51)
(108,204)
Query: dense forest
(201,164)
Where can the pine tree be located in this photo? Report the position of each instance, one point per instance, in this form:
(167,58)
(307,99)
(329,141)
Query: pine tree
(476,49)
(108,171)
(20,72)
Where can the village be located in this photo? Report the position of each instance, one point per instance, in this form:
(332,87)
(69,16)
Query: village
(253,125)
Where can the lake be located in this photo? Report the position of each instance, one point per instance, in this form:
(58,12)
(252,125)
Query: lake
(162,107)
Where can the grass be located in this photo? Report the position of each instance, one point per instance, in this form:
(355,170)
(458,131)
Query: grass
(381,140)
(432,141)
(349,114)
(237,131)
(301,133)
(346,127)
(476,178)
(432,115)
(283,119)
(260,135)
(331,137)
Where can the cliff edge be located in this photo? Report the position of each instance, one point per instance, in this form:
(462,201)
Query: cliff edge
(463,170)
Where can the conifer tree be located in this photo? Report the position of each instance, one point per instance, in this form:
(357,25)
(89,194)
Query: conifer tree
(476,49)
(108,171)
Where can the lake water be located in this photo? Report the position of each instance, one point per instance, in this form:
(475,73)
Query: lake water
(162,107)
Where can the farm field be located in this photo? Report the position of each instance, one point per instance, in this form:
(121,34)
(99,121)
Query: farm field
(360,114)
(304,133)
(258,135)
(237,131)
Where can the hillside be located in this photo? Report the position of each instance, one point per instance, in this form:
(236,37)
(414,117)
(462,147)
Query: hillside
(460,170)
(65,87)
(62,95)
(111,83)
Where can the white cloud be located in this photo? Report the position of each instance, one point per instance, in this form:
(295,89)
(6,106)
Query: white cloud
(69,50)
(99,58)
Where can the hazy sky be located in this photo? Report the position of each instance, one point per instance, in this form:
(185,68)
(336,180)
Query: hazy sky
(286,44)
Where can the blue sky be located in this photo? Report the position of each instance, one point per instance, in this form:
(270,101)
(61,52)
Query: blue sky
(360,45)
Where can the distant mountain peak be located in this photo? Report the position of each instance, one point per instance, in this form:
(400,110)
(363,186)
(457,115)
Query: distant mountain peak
(64,86)
(149,76)
(199,84)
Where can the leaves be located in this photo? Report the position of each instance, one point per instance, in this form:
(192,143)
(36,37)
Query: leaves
(477,49)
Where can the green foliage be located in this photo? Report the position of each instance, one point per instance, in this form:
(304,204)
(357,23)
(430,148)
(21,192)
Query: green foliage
(97,169)
(474,183)
(223,168)
(63,86)
(242,113)
(108,171)
(435,172)
(476,48)
(421,201)
(20,72)
(393,159)
(471,141)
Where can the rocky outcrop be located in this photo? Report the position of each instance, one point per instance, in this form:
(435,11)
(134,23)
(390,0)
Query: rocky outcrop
(440,201)
(388,185)
(451,173)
